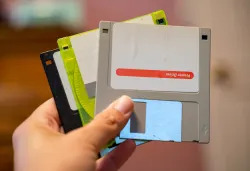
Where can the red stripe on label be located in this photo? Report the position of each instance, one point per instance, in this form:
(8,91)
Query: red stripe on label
(154,73)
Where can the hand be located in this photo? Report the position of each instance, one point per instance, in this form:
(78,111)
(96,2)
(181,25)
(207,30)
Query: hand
(40,145)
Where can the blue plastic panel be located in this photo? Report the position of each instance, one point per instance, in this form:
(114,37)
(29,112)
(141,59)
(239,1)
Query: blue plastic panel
(163,121)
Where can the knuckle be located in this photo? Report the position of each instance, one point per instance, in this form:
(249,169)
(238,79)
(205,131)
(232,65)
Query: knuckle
(20,132)
(16,134)
(112,118)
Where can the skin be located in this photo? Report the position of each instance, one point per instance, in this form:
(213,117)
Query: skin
(39,143)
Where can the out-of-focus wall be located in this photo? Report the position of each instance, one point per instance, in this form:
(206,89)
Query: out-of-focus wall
(119,10)
(23,84)
(230,95)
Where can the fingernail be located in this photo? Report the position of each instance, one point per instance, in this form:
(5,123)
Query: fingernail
(124,105)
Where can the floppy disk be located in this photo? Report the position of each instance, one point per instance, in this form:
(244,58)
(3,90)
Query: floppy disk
(67,110)
(79,54)
(165,70)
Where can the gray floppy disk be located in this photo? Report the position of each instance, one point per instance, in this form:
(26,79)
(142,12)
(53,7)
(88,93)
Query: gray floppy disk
(165,70)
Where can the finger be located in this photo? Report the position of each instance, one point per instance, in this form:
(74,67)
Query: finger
(47,115)
(106,125)
(115,159)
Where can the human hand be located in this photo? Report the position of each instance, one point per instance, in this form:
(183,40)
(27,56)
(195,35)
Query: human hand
(40,145)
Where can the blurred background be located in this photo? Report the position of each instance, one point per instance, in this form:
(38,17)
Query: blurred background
(29,27)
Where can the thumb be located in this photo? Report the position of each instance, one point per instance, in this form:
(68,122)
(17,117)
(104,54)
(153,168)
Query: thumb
(106,125)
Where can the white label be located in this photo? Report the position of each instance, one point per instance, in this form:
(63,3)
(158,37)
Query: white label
(86,52)
(65,82)
(156,58)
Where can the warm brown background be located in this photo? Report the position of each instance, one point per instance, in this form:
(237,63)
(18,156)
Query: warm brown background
(23,85)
